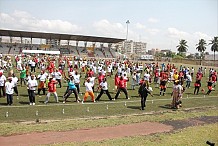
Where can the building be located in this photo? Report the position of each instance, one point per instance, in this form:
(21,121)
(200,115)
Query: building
(130,47)
(153,51)
(53,42)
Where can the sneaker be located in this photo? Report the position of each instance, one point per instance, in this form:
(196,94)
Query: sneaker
(82,102)
(64,101)
(113,99)
(34,103)
(94,101)
(31,103)
(128,98)
(45,102)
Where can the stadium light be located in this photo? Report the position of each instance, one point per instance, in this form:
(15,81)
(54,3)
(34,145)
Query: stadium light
(127,29)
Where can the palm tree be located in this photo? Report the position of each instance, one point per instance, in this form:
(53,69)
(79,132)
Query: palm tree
(201,48)
(214,46)
(182,47)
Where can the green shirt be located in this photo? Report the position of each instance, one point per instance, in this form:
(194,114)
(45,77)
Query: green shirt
(23,74)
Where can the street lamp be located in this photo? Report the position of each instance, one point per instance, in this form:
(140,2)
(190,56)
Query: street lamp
(127,23)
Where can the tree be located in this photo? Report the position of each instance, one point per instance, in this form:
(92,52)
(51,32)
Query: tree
(201,47)
(182,47)
(214,46)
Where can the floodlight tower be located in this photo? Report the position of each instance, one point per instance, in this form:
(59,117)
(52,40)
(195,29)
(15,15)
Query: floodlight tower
(127,30)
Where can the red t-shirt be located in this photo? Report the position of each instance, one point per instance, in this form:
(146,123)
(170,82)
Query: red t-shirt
(100,78)
(117,79)
(90,73)
(52,86)
(122,83)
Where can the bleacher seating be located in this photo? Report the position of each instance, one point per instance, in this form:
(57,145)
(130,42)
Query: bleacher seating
(65,49)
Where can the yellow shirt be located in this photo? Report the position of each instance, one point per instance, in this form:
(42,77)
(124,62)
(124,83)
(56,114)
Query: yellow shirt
(175,76)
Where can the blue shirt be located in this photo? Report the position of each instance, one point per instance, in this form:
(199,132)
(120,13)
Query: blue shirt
(71,85)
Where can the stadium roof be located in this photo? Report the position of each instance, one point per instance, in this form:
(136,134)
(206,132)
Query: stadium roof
(43,35)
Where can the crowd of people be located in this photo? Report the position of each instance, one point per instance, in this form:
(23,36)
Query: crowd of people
(45,73)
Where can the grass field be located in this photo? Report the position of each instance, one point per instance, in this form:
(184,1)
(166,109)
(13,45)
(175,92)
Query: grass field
(21,117)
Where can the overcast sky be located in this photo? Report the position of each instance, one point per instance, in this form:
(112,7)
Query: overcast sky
(159,23)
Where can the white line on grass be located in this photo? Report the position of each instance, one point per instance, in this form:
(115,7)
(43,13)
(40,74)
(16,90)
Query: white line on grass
(91,103)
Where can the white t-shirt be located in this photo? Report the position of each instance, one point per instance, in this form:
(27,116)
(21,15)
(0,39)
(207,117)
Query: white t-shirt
(89,86)
(33,64)
(104,85)
(9,87)
(57,75)
(146,77)
(92,80)
(42,77)
(76,79)
(15,80)
(32,84)
(2,80)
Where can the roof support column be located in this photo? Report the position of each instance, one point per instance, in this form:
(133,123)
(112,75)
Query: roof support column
(59,44)
(68,46)
(85,45)
(77,43)
(31,43)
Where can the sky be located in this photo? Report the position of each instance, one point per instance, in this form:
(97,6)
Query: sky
(159,23)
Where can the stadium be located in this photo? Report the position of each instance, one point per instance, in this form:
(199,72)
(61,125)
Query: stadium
(108,73)
(120,119)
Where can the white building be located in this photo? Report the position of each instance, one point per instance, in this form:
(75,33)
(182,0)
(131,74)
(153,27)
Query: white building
(53,42)
(130,47)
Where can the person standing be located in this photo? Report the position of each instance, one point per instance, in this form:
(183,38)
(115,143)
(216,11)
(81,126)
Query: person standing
(197,86)
(15,81)
(9,86)
(71,89)
(209,86)
(177,94)
(42,78)
(104,89)
(57,76)
(51,90)
(23,76)
(32,84)
(77,81)
(2,84)
(188,80)
(89,90)
(133,84)
(143,92)
(122,87)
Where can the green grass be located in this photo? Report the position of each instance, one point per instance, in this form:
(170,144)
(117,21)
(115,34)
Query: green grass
(197,135)
(71,124)
(22,116)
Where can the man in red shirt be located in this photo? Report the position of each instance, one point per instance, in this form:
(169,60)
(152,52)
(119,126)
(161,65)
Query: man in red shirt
(51,90)
(100,78)
(163,83)
(90,73)
(122,87)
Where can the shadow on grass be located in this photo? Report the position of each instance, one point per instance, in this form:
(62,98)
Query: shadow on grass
(24,102)
(134,107)
(167,106)
(3,104)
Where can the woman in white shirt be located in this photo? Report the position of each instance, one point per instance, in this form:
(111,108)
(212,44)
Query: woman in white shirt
(104,89)
(89,90)
(32,84)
